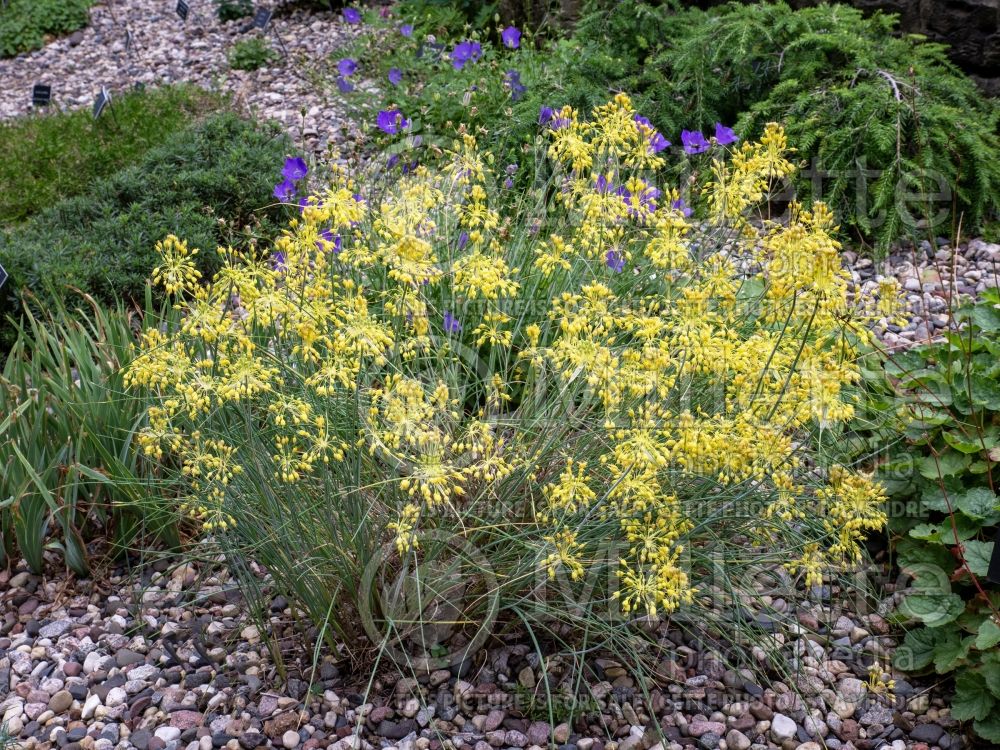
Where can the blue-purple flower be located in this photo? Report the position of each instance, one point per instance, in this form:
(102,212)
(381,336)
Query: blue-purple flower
(545,114)
(512,80)
(330,239)
(406,30)
(644,199)
(352,15)
(278,261)
(511,37)
(346,67)
(465,52)
(656,140)
(463,240)
(395,76)
(391,121)
(694,142)
(285,190)
(724,136)
(615,261)
(602,185)
(344,85)
(679,205)
(295,168)
(451,324)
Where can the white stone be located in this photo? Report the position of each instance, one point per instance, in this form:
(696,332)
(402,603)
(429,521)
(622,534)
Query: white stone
(782,728)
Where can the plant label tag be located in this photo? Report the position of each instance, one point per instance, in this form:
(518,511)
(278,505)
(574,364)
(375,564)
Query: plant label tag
(993,573)
(101,102)
(182,9)
(41,95)
(3,276)
(262,18)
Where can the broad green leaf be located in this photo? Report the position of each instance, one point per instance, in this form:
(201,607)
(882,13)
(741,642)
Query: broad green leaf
(946,464)
(986,317)
(977,556)
(979,503)
(988,636)
(933,609)
(985,391)
(989,729)
(944,532)
(917,649)
(912,553)
(972,700)
(951,651)
(990,669)
(967,443)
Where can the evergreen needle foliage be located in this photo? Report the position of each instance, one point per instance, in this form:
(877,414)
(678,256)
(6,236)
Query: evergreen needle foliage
(903,143)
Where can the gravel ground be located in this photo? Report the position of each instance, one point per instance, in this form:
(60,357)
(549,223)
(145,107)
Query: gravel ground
(130,42)
(934,279)
(169,661)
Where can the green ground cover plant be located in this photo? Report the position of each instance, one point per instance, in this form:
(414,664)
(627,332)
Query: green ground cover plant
(24,24)
(212,181)
(251,54)
(72,482)
(57,155)
(940,469)
(893,136)
(232,10)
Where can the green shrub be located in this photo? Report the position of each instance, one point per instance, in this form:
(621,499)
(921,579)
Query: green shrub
(24,24)
(71,481)
(942,472)
(251,54)
(232,10)
(892,125)
(61,154)
(212,183)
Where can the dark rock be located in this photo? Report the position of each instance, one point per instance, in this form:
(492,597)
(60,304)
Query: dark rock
(396,730)
(196,679)
(140,738)
(250,740)
(929,733)
(127,656)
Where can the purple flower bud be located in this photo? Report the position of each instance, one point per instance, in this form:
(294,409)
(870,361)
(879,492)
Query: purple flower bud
(511,37)
(723,135)
(463,240)
(451,324)
(352,15)
(406,30)
(395,76)
(346,67)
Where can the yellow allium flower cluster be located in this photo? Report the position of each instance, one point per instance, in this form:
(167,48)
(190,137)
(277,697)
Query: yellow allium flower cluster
(464,365)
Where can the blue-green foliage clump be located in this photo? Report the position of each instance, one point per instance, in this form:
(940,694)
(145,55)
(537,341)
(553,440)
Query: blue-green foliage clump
(211,184)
